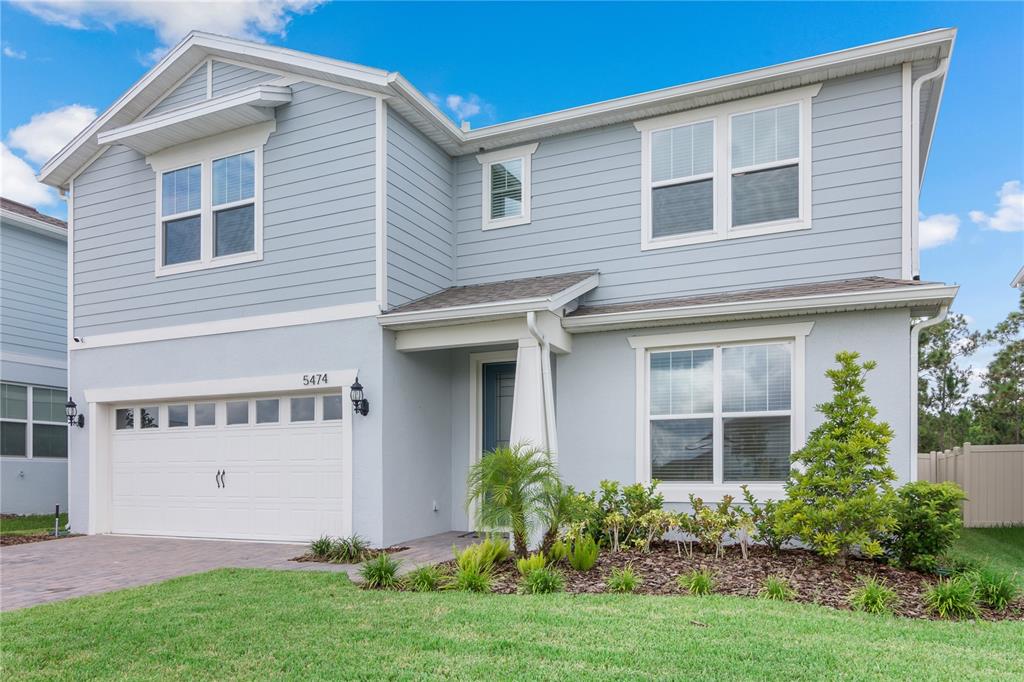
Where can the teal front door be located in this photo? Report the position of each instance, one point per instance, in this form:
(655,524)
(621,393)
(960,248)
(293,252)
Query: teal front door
(499,386)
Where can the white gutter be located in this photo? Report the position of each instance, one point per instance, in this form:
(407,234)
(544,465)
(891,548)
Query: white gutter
(915,342)
(915,162)
(550,432)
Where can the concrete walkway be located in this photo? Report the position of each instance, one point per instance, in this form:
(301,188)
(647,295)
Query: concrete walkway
(48,571)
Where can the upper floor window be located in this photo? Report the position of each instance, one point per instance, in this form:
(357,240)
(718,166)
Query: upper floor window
(727,171)
(506,186)
(209,203)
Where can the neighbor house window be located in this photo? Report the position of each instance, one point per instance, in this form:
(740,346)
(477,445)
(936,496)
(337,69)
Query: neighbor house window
(506,186)
(32,421)
(726,171)
(209,203)
(719,414)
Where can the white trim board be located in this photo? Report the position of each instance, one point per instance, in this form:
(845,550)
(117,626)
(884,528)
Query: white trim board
(348,311)
(219,388)
(33,224)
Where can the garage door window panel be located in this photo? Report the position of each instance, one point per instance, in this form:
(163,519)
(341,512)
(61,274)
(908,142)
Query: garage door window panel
(267,411)
(303,409)
(124,418)
(333,407)
(177,416)
(237,412)
(149,417)
(206,414)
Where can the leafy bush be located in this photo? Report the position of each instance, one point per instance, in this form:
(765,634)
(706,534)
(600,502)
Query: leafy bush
(558,553)
(623,580)
(840,496)
(928,523)
(380,573)
(424,579)
(652,526)
(763,517)
(873,596)
(321,547)
(955,597)
(544,580)
(711,525)
(531,563)
(777,589)
(349,550)
(511,486)
(995,589)
(697,582)
(583,552)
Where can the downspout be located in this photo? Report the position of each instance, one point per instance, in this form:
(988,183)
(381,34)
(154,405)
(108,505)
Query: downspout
(547,389)
(915,162)
(915,342)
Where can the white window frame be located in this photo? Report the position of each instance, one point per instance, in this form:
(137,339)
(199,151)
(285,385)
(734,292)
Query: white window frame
(796,334)
(30,420)
(525,154)
(722,115)
(203,153)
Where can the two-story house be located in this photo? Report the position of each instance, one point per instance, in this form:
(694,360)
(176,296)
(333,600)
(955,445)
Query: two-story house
(33,360)
(650,287)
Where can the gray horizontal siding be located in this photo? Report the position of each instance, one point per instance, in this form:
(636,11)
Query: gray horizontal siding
(229,78)
(318,217)
(33,294)
(586,210)
(420,205)
(192,90)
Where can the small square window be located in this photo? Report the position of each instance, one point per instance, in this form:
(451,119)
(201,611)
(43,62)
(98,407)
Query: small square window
(506,186)
(12,439)
(49,440)
(48,405)
(238,412)
(206,414)
(149,417)
(13,401)
(302,409)
(267,411)
(334,407)
(177,415)
(124,419)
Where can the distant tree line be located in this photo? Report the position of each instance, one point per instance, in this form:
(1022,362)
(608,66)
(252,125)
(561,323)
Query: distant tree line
(949,414)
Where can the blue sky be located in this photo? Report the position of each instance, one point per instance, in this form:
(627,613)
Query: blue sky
(552,56)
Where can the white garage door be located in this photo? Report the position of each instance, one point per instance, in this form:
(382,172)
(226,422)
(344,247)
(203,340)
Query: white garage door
(259,468)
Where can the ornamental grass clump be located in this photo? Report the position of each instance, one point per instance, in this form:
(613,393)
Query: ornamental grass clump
(531,563)
(839,496)
(873,596)
(776,589)
(321,547)
(349,550)
(995,589)
(424,579)
(623,580)
(543,580)
(473,570)
(583,552)
(380,573)
(697,582)
(956,598)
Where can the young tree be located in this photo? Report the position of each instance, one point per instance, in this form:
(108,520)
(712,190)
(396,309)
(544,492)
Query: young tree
(1000,408)
(839,495)
(943,383)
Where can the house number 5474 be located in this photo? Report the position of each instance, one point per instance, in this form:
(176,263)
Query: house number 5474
(314,379)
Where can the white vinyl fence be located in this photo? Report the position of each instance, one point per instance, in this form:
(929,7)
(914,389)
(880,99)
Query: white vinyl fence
(991,475)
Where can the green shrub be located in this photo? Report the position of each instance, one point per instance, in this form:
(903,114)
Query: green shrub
(697,582)
(544,580)
(995,589)
(928,523)
(763,517)
(321,547)
(487,553)
(558,553)
(873,596)
(583,553)
(380,573)
(957,565)
(349,550)
(839,496)
(623,580)
(955,597)
(424,579)
(777,589)
(652,526)
(470,578)
(531,563)
(711,525)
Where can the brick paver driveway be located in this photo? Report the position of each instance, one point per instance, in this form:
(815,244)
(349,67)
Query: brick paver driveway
(58,569)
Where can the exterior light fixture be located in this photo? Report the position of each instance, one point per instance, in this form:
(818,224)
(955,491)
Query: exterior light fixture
(360,404)
(71,409)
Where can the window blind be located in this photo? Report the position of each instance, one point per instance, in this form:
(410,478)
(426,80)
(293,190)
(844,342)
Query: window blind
(506,189)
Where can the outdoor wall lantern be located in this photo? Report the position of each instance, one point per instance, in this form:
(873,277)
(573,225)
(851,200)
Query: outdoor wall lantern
(359,404)
(71,409)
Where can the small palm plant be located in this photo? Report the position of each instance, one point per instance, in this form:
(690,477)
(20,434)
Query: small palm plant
(509,485)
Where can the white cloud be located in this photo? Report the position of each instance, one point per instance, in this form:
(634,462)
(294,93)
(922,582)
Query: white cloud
(14,54)
(46,134)
(938,229)
(1009,215)
(173,19)
(464,108)
(18,181)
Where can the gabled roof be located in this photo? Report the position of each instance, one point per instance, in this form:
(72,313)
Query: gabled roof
(28,218)
(422,113)
(1018,281)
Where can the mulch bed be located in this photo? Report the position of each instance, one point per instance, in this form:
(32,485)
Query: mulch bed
(815,580)
(369,554)
(25,539)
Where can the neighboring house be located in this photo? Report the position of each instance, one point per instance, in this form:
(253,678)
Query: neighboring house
(33,360)
(1018,281)
(649,287)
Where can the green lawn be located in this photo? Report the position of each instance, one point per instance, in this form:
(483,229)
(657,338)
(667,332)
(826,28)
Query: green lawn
(27,525)
(257,624)
(1002,548)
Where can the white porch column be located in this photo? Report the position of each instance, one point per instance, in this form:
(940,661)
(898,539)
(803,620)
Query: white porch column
(528,401)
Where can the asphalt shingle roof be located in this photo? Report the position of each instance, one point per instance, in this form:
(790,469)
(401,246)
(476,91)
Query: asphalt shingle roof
(495,292)
(29,212)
